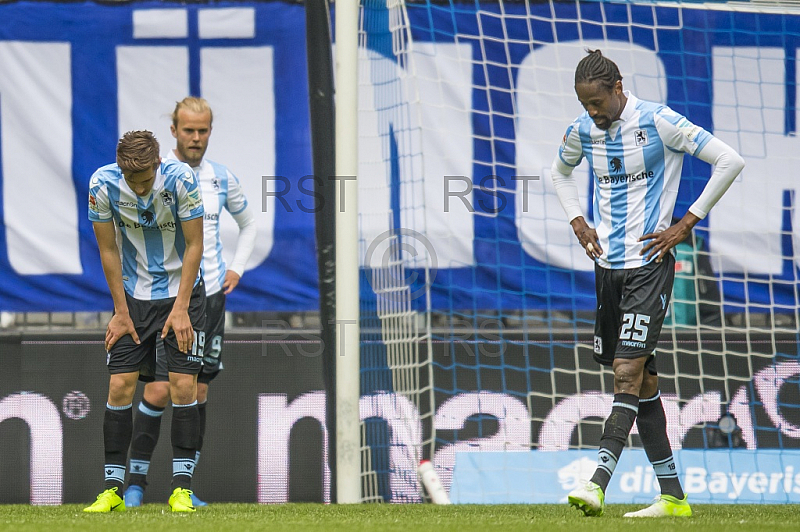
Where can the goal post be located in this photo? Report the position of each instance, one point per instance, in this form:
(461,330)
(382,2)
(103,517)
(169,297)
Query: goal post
(348,389)
(476,305)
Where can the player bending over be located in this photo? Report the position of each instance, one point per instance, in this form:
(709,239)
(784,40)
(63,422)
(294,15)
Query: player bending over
(191,127)
(155,211)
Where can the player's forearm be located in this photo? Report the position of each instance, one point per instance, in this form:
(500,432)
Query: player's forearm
(727,165)
(192,256)
(567,191)
(688,222)
(246,241)
(112,269)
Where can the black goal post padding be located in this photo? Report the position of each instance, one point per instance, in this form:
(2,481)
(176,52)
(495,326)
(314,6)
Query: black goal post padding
(321,108)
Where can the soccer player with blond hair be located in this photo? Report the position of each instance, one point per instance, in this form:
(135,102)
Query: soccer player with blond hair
(191,127)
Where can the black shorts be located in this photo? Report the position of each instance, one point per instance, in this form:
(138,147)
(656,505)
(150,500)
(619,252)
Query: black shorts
(149,317)
(631,306)
(212,350)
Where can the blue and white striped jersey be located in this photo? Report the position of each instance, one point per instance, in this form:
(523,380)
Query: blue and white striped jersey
(221,189)
(151,243)
(637,170)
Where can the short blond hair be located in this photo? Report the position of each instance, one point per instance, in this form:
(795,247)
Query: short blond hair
(194,104)
(137,151)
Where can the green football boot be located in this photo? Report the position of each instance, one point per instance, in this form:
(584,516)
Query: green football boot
(108,501)
(665,506)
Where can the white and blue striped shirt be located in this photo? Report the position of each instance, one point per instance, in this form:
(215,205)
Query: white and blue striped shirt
(151,243)
(637,170)
(221,189)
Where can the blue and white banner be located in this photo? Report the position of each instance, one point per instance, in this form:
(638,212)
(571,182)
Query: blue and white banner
(490,107)
(768,476)
(74,77)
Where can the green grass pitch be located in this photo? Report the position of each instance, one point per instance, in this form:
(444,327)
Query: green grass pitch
(384,517)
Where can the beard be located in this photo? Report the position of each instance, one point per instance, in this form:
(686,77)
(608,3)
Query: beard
(192,157)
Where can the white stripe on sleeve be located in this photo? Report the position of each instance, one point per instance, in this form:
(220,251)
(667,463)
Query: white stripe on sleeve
(566,189)
(246,240)
(727,165)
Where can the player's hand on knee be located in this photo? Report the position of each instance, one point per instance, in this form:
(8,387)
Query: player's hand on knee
(119,326)
(180,323)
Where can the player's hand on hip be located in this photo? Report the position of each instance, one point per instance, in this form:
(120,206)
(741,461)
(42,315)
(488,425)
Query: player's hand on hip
(179,322)
(231,281)
(659,244)
(119,326)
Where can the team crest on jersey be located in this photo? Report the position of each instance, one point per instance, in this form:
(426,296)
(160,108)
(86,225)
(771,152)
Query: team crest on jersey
(93,203)
(167,199)
(640,137)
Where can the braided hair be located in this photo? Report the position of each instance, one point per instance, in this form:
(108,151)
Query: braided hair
(597,67)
